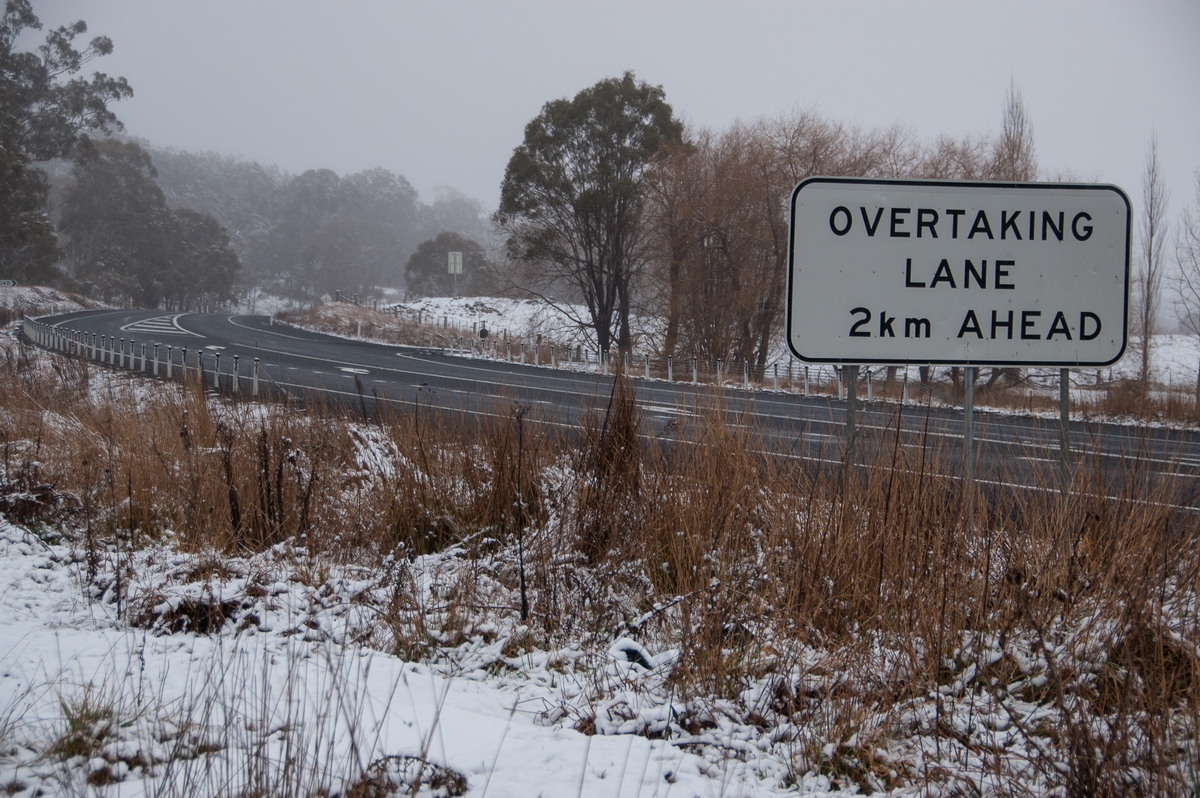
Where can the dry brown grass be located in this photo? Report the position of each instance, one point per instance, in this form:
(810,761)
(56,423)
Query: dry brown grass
(741,561)
(360,320)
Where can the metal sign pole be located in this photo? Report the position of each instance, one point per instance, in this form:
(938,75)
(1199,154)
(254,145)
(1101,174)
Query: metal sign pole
(851,413)
(969,425)
(455,267)
(1064,429)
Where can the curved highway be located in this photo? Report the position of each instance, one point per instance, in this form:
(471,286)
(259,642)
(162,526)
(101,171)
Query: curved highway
(1123,461)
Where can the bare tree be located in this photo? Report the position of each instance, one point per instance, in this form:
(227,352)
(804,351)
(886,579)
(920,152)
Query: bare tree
(671,200)
(719,209)
(1013,157)
(1187,279)
(718,224)
(950,159)
(1013,160)
(1152,239)
(718,213)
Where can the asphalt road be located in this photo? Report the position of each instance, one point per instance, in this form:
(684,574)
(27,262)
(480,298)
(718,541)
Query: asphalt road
(1124,461)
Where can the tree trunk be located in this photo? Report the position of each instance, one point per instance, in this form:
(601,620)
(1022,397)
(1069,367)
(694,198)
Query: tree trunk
(624,334)
(674,306)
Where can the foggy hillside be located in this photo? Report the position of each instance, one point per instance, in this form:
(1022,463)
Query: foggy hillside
(347,233)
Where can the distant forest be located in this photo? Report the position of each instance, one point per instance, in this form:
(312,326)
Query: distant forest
(296,236)
(315,232)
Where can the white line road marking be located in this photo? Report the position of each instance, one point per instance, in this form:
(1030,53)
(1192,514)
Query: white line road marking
(160,325)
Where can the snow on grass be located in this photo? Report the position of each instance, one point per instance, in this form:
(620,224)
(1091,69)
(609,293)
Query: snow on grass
(39,300)
(523,319)
(215,675)
(154,671)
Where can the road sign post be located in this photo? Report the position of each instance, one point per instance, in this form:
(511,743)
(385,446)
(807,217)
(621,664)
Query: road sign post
(454,266)
(1064,428)
(957,273)
(851,413)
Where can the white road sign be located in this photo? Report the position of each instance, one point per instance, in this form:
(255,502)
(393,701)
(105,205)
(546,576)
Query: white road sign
(957,273)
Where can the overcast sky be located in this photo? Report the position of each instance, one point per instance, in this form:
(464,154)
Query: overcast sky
(440,92)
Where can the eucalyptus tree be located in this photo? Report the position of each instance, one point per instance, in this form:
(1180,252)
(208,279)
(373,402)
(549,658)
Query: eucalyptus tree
(571,202)
(203,266)
(115,223)
(427,271)
(44,106)
(124,244)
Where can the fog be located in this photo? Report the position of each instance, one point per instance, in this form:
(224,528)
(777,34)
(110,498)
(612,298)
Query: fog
(440,92)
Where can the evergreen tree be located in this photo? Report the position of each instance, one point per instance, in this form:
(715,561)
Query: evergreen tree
(125,245)
(116,223)
(44,107)
(572,197)
(427,272)
(204,266)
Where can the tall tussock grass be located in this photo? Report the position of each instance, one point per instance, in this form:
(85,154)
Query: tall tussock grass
(872,605)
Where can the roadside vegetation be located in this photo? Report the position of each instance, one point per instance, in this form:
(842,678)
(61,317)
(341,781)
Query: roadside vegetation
(885,631)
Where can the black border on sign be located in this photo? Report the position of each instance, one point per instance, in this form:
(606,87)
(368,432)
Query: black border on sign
(791,267)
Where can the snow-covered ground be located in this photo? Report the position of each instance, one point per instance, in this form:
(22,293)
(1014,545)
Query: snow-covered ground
(38,299)
(504,318)
(280,686)
(131,671)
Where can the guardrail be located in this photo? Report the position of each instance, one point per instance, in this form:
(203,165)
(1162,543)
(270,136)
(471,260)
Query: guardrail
(229,373)
(788,376)
(154,359)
